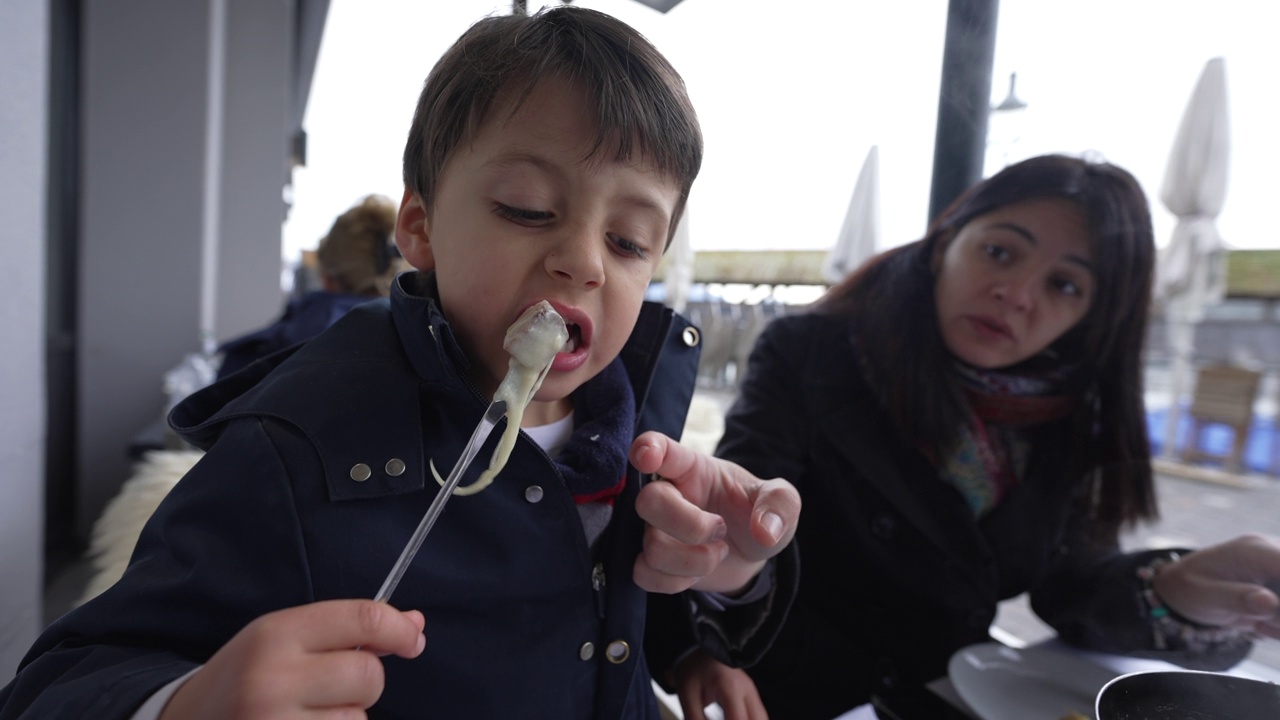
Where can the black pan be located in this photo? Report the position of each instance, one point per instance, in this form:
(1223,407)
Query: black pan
(1188,695)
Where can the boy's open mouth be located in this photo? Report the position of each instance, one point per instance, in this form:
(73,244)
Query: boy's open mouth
(575,338)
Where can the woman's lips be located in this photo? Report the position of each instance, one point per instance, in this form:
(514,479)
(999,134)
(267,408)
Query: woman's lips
(989,328)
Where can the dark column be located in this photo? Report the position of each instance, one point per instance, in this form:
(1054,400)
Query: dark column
(963,100)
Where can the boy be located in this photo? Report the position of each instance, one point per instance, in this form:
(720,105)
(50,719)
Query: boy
(549,158)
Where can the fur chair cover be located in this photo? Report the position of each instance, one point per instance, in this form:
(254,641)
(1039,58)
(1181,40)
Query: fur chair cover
(116,531)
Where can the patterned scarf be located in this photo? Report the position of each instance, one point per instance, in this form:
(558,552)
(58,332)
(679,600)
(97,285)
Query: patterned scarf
(992,447)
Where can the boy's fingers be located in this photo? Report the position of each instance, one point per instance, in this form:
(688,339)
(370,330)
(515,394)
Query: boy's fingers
(692,708)
(350,678)
(341,624)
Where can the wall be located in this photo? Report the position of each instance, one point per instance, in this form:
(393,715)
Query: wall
(24,79)
(166,164)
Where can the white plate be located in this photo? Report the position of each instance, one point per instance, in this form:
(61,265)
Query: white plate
(1035,683)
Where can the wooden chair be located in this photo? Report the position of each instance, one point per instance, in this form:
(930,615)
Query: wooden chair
(1224,395)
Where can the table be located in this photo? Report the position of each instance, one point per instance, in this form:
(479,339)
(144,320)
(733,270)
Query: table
(1118,664)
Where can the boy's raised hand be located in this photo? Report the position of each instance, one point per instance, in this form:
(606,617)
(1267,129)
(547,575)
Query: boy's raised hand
(301,662)
(712,524)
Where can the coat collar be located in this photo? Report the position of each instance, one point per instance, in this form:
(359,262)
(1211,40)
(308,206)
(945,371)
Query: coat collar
(376,366)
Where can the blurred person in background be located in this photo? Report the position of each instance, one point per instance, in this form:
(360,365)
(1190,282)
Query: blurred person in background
(357,261)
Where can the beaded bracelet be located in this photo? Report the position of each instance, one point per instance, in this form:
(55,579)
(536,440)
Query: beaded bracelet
(1171,632)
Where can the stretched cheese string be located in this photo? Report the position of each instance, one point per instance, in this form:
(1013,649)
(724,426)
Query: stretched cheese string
(533,341)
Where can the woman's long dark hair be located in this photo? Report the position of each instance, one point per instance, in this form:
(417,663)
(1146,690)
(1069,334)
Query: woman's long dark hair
(890,301)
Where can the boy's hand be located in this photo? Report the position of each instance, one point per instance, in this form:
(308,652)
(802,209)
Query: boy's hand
(712,524)
(702,680)
(301,662)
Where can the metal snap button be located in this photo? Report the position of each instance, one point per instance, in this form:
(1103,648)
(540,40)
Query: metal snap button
(533,493)
(691,336)
(360,472)
(395,467)
(618,651)
(586,651)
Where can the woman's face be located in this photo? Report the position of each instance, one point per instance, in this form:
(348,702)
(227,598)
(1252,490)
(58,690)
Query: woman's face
(1013,281)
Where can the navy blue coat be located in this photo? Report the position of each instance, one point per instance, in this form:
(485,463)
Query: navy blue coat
(271,518)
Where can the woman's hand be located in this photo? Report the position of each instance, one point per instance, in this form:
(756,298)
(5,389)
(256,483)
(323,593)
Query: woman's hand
(711,524)
(702,680)
(1226,585)
(317,660)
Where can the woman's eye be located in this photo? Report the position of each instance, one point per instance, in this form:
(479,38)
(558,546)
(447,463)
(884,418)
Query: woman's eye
(627,247)
(996,252)
(521,215)
(1067,286)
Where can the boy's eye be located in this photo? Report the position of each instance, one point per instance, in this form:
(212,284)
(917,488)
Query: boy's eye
(627,247)
(521,215)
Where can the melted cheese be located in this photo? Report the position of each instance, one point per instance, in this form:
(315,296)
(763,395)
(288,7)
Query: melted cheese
(532,341)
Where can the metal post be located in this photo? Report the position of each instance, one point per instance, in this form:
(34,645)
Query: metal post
(964,100)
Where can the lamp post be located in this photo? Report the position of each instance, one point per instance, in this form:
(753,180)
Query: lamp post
(1003,127)
(964,100)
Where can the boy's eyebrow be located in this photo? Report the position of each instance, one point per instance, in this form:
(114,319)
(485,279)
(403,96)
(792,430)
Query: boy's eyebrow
(1025,234)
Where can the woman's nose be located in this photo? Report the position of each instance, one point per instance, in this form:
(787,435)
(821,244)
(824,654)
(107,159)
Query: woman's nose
(576,258)
(1015,291)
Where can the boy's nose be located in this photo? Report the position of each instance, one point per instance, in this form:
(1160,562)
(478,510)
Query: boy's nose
(577,259)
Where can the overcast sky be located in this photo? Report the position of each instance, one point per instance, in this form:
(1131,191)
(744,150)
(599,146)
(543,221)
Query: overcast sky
(792,95)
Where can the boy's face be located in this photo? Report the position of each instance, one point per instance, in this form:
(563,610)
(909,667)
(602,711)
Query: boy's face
(520,217)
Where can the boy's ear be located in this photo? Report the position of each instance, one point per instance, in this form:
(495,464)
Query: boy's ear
(413,233)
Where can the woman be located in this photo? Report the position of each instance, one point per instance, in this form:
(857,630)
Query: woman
(964,419)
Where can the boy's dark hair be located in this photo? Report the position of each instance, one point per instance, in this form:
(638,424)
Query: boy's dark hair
(891,303)
(643,108)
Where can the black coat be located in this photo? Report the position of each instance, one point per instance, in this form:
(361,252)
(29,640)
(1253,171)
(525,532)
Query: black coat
(273,517)
(895,572)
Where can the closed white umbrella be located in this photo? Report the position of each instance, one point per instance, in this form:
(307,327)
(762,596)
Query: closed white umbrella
(1191,271)
(860,232)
